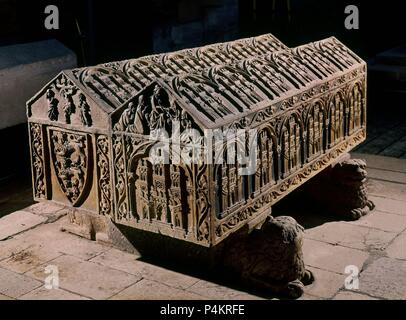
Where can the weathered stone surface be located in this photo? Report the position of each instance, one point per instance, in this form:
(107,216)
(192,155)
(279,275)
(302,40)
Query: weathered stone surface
(356,237)
(352,295)
(37,62)
(217,292)
(15,285)
(128,263)
(326,283)
(397,249)
(3,297)
(385,278)
(30,257)
(49,210)
(332,257)
(17,222)
(49,235)
(389,190)
(53,294)
(87,278)
(390,205)
(152,290)
(383,221)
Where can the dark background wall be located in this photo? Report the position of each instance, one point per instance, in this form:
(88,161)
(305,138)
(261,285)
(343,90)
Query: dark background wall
(122,29)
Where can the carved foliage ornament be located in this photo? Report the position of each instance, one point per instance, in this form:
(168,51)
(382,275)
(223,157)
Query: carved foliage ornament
(104,175)
(37,154)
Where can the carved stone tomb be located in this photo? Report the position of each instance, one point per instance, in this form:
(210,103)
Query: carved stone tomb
(96,134)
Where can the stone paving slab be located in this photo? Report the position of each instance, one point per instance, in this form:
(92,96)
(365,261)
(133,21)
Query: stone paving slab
(62,242)
(18,222)
(355,236)
(152,290)
(51,294)
(332,257)
(352,295)
(217,292)
(387,175)
(384,278)
(380,162)
(384,189)
(389,205)
(52,212)
(87,278)
(3,297)
(326,283)
(15,285)
(397,249)
(29,258)
(382,220)
(128,263)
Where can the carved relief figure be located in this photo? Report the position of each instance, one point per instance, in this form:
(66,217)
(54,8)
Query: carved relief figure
(286,152)
(127,118)
(310,138)
(142,186)
(356,101)
(53,112)
(318,129)
(158,117)
(336,120)
(67,90)
(84,108)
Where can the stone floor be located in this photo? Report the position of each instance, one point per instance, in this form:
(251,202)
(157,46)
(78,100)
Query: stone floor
(31,242)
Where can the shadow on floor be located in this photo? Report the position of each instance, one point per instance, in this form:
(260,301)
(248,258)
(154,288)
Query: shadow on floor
(15,193)
(175,255)
(304,211)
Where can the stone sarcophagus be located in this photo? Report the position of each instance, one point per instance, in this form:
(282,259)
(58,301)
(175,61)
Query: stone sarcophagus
(199,143)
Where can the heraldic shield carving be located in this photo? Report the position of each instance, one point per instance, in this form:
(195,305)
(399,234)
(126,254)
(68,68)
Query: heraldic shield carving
(70,157)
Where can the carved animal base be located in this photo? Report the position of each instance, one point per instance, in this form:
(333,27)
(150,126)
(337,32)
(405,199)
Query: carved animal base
(341,189)
(270,258)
